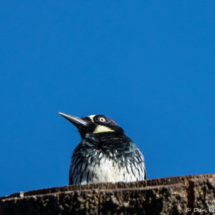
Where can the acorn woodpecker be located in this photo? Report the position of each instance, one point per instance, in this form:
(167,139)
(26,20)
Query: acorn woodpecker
(105,153)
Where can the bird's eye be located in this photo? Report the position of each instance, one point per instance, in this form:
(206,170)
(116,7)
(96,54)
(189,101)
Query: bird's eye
(102,119)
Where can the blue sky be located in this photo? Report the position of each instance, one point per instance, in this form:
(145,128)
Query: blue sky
(148,65)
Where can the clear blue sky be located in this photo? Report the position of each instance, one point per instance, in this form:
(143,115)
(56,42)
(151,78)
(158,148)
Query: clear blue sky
(148,65)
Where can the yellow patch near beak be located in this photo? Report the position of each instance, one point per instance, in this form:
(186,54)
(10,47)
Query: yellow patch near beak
(102,128)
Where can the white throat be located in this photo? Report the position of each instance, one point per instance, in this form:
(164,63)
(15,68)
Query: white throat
(102,128)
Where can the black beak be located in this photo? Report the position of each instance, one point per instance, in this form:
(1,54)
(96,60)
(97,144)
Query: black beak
(76,121)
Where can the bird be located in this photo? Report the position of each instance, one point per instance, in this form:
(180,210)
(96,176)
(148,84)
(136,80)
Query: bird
(105,153)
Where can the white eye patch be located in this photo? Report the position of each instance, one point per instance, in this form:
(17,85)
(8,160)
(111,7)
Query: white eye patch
(91,117)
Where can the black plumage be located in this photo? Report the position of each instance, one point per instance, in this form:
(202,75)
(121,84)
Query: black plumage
(105,153)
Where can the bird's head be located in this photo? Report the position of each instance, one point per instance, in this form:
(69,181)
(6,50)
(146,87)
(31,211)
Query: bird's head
(94,124)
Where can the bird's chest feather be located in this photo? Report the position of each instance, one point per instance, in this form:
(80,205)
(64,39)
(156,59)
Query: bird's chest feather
(106,160)
(106,170)
(98,168)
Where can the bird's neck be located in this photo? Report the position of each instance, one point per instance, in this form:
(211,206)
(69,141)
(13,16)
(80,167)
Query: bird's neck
(108,141)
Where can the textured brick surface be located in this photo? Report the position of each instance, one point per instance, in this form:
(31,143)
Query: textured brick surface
(174,195)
